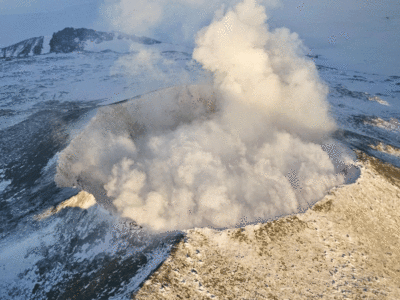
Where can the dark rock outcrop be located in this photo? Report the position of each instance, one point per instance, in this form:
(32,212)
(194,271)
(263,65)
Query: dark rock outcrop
(31,46)
(70,39)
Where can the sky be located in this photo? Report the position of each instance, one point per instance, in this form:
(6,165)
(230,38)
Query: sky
(364,31)
(21,20)
(8,7)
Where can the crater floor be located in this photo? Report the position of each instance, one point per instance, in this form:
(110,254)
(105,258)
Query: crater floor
(345,247)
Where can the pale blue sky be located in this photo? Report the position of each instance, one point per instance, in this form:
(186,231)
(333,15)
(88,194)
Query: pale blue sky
(24,22)
(362,31)
(35,6)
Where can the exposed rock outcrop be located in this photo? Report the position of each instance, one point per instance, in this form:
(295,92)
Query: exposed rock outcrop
(32,46)
(69,40)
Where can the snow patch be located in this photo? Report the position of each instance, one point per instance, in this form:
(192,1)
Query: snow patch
(388,149)
(3,182)
(379,100)
(391,125)
(83,200)
(117,45)
(51,163)
(46,44)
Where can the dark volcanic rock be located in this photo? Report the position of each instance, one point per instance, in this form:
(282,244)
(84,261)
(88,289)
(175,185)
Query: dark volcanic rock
(31,46)
(70,39)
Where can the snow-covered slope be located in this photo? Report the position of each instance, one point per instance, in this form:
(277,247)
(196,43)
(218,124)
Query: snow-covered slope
(44,101)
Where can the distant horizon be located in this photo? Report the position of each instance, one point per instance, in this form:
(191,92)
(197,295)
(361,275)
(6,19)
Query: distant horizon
(11,7)
(46,23)
(75,28)
(352,35)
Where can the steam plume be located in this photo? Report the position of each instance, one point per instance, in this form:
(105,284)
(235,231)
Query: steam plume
(246,147)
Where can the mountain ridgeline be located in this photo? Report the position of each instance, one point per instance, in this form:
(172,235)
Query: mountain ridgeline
(68,40)
(32,46)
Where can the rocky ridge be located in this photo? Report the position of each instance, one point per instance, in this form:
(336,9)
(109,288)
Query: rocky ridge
(345,247)
(69,40)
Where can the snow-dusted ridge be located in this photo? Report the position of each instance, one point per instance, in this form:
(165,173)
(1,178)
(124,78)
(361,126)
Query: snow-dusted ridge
(70,39)
(29,47)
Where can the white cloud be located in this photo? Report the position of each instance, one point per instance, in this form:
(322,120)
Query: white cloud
(246,147)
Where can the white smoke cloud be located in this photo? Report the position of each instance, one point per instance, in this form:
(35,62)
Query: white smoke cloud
(175,21)
(143,61)
(264,69)
(132,17)
(246,147)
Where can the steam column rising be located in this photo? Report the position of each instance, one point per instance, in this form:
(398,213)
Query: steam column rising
(256,155)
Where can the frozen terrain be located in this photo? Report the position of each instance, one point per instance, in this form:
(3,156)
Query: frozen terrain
(345,247)
(45,101)
(70,39)
(116,115)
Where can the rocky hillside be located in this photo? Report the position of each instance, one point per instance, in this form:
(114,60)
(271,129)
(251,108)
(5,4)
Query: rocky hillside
(32,46)
(345,247)
(69,40)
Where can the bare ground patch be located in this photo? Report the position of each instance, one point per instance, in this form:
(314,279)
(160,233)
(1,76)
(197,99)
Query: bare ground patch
(345,247)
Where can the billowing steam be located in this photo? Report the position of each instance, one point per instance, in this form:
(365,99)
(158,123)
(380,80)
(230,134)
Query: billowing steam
(173,21)
(246,147)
